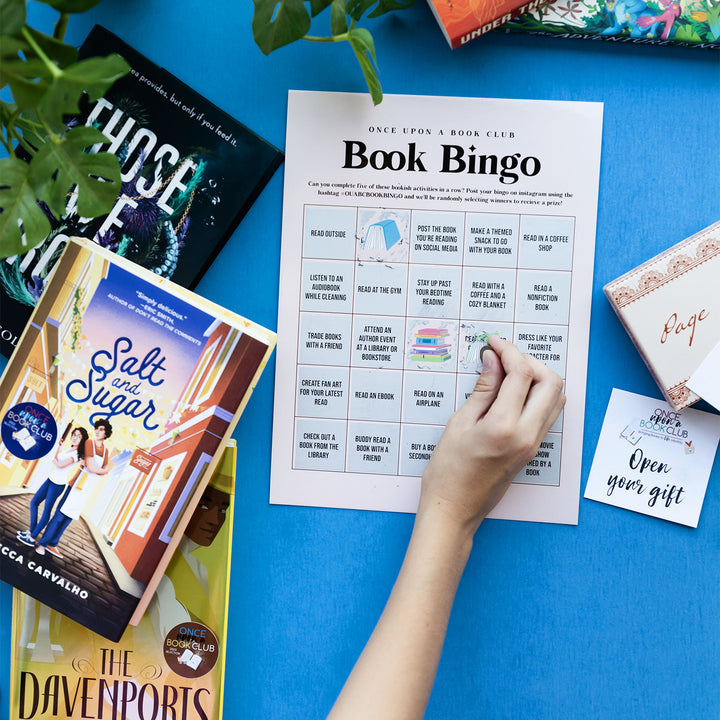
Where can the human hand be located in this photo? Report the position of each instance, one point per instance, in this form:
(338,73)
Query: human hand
(495,433)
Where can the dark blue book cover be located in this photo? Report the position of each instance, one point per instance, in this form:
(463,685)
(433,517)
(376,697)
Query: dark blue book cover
(190,172)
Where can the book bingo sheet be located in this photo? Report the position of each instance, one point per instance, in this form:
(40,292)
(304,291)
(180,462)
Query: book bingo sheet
(412,231)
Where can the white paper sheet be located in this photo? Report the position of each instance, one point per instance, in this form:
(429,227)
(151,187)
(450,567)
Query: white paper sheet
(653,459)
(410,230)
(705,381)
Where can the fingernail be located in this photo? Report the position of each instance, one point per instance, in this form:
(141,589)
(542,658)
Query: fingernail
(485,359)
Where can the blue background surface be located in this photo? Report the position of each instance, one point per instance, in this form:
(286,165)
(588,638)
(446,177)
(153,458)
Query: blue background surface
(618,617)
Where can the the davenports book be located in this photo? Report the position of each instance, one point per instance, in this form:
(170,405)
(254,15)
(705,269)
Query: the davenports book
(114,411)
(670,307)
(656,22)
(189,170)
(170,665)
(464,20)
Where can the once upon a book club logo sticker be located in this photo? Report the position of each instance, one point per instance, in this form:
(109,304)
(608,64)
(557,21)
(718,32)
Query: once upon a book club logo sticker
(29,431)
(191,649)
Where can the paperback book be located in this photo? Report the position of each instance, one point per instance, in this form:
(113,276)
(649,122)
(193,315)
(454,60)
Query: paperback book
(464,20)
(190,172)
(114,411)
(671,309)
(170,665)
(689,23)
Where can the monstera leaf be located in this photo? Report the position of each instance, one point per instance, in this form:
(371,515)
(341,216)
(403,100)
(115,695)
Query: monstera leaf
(93,76)
(46,82)
(21,218)
(62,164)
(12,16)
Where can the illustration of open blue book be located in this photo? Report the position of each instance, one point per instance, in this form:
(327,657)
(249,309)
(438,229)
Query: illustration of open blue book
(381,236)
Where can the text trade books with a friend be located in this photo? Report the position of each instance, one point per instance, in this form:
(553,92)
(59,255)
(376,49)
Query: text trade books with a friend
(464,20)
(171,665)
(190,172)
(114,411)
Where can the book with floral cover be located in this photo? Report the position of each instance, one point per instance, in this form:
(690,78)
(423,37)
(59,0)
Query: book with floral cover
(687,23)
(114,411)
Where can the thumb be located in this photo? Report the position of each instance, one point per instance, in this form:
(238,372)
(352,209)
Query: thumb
(487,385)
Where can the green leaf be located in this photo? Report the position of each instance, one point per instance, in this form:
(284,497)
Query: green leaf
(25,125)
(364,47)
(28,79)
(71,6)
(62,163)
(21,215)
(364,41)
(273,29)
(31,128)
(317,6)
(357,8)
(94,76)
(338,18)
(57,50)
(7,110)
(12,16)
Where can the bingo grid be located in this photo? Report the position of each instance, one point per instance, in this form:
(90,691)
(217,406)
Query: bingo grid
(394,305)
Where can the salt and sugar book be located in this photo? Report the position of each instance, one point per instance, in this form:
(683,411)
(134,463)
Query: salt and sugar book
(670,306)
(114,412)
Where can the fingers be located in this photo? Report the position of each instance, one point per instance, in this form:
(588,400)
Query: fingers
(517,388)
(545,399)
(520,373)
(486,388)
(531,391)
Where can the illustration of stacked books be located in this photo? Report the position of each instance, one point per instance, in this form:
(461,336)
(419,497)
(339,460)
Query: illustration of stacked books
(381,236)
(430,345)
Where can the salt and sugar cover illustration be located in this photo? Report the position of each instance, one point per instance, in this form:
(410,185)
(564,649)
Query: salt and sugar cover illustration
(155,378)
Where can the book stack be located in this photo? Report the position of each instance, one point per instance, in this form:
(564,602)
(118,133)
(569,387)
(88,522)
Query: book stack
(117,407)
(429,345)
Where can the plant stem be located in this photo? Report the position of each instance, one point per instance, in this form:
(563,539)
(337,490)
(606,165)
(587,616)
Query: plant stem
(7,145)
(51,135)
(13,134)
(54,69)
(61,26)
(330,38)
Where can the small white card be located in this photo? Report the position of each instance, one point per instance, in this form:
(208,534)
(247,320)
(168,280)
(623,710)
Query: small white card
(705,381)
(653,459)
